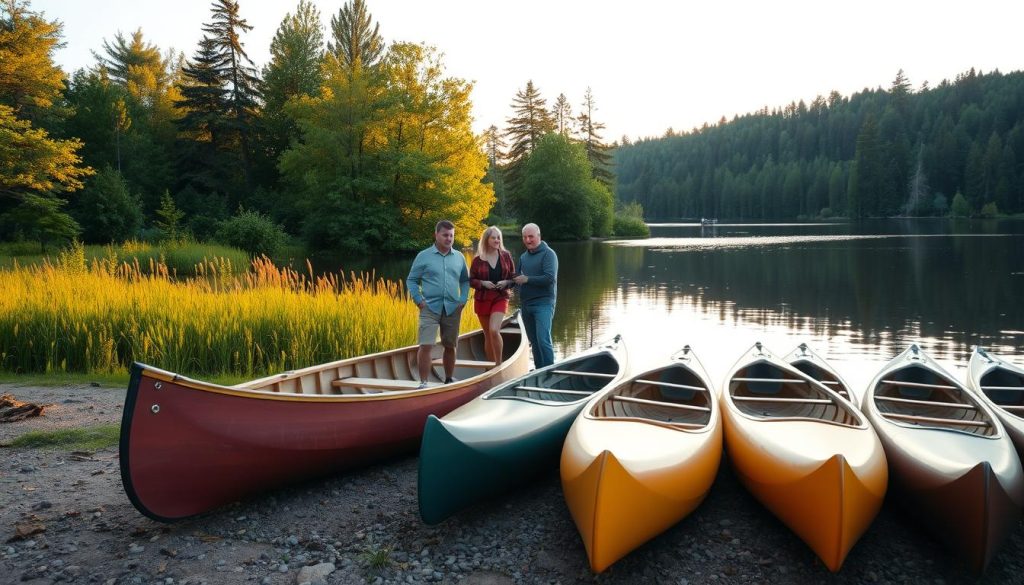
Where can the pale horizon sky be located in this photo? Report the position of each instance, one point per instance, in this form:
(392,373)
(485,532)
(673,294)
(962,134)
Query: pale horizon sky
(651,65)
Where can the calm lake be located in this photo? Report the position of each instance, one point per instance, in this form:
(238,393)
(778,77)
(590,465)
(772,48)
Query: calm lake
(857,292)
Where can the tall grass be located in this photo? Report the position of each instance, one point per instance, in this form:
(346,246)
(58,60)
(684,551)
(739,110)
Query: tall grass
(98,319)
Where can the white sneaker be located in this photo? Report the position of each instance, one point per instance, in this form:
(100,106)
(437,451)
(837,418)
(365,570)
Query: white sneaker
(421,386)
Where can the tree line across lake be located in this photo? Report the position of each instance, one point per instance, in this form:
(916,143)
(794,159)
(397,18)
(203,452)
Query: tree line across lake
(956,148)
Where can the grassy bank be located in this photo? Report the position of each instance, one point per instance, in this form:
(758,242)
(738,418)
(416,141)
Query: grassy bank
(80,439)
(60,319)
(178,258)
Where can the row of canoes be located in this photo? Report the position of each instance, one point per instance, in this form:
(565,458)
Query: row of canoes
(637,454)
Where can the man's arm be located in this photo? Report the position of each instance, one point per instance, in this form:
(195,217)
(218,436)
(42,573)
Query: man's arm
(464,284)
(548,271)
(412,283)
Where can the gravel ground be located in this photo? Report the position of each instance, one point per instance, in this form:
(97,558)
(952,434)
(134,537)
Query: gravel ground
(363,527)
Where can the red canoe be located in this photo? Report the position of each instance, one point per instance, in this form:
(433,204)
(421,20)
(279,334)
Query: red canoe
(188,446)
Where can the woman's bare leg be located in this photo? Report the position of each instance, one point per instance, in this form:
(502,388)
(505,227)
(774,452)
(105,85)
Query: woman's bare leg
(496,344)
(485,324)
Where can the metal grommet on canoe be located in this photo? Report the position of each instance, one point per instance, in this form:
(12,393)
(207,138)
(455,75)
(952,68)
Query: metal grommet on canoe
(155,408)
(158,385)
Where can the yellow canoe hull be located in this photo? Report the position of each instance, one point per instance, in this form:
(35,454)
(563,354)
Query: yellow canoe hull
(626,481)
(825,482)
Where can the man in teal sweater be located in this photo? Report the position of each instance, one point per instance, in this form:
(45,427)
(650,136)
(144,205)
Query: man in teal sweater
(439,284)
(538,288)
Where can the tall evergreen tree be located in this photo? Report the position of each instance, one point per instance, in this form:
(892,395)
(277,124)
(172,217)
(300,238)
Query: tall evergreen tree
(225,31)
(494,147)
(529,123)
(597,151)
(204,101)
(135,65)
(562,114)
(867,174)
(355,37)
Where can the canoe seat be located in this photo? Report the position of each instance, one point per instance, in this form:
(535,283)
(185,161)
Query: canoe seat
(380,383)
(510,330)
(895,400)
(671,385)
(552,390)
(660,403)
(781,400)
(466,363)
(584,374)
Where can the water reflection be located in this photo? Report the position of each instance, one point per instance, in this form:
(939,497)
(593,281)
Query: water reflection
(859,297)
(860,292)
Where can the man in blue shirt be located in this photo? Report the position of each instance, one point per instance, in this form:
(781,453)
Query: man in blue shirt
(538,288)
(439,284)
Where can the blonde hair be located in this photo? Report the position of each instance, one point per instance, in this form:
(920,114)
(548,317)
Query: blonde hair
(481,246)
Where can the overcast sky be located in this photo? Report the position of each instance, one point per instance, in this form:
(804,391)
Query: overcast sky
(651,64)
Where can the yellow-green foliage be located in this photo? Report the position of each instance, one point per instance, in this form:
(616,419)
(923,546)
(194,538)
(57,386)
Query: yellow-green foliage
(270,319)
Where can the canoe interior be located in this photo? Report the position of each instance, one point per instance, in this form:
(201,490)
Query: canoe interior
(673,395)
(997,383)
(822,375)
(778,393)
(570,381)
(919,396)
(391,371)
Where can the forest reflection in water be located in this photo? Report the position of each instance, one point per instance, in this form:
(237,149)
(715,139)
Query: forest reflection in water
(859,297)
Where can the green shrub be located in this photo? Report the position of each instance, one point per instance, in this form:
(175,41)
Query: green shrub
(630,227)
(107,210)
(989,210)
(960,206)
(253,232)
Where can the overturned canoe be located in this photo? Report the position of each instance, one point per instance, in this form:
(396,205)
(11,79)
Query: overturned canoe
(510,433)
(804,451)
(189,446)
(809,362)
(949,458)
(1002,384)
(641,457)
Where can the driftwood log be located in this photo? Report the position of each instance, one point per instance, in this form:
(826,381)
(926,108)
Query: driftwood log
(12,410)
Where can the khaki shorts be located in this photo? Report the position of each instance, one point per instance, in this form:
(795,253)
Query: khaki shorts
(431,323)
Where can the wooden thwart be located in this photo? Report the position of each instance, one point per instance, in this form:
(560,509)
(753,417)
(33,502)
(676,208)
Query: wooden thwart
(466,363)
(671,385)
(379,383)
(925,402)
(783,380)
(919,385)
(931,419)
(584,374)
(552,390)
(781,400)
(660,403)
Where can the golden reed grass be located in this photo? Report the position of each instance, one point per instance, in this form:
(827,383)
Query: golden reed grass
(100,318)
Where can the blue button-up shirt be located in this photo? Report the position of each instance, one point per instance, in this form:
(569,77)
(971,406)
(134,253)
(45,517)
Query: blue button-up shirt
(442,280)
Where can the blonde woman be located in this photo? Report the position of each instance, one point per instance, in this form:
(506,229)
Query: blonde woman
(491,274)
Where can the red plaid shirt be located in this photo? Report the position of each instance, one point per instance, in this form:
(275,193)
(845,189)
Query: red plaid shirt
(480,270)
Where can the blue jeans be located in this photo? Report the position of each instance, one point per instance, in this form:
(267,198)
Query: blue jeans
(537,321)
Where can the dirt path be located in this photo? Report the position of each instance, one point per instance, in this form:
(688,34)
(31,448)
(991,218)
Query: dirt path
(91,533)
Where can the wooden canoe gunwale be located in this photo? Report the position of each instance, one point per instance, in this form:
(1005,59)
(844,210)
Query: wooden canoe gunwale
(603,356)
(641,382)
(977,421)
(254,389)
(808,361)
(800,380)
